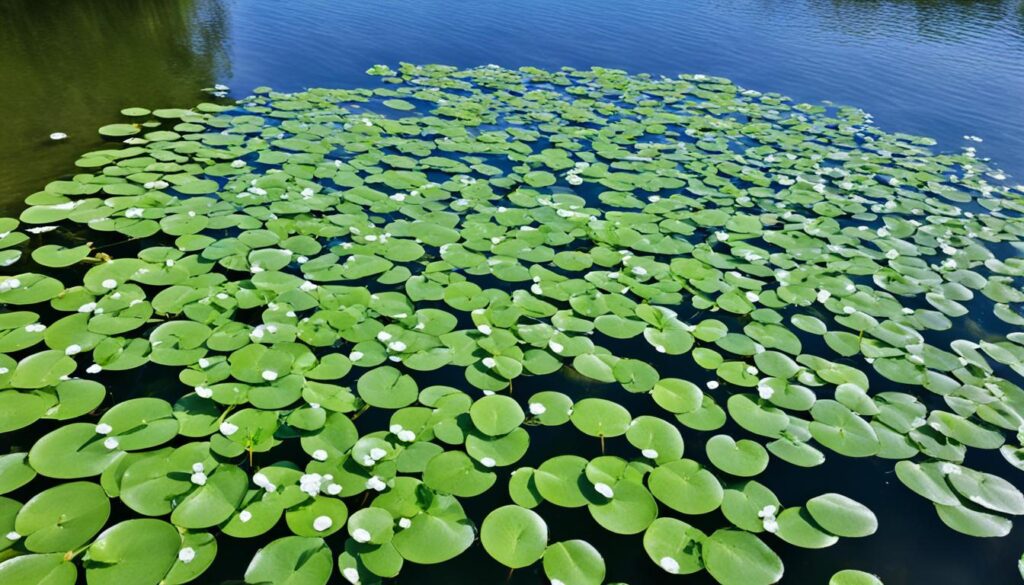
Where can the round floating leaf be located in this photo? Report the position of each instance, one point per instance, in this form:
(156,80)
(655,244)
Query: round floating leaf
(574,562)
(291,560)
(854,577)
(686,487)
(735,557)
(842,516)
(743,458)
(514,536)
(135,551)
(50,569)
(63,517)
(674,546)
(387,387)
(496,415)
(598,417)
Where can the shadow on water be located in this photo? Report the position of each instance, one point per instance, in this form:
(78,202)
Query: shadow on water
(72,66)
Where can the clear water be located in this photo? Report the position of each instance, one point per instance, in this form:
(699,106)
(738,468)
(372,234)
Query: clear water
(942,68)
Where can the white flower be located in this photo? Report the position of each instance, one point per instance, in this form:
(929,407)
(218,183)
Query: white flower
(355,356)
(58,136)
(322,523)
(333,489)
(555,346)
(721,236)
(752,296)
(227,429)
(752,370)
(261,480)
(35,328)
(556,582)
(10,284)
(712,384)
(204,363)
(383,337)
(87,308)
(361,535)
(73,349)
(950,469)
(351,574)
(203,392)
(604,489)
(489,362)
(377,453)
(310,483)
(103,429)
(269,375)
(765,392)
(669,564)
(649,453)
(404,522)
(639,271)
(823,295)
(406,436)
(485,329)
(397,346)
(244,516)
(767,511)
(198,478)
(770,524)
(488,462)
(375,483)
(94,369)
(307,286)
(109,283)
(537,409)
(320,455)
(12,535)
(892,254)
(111,443)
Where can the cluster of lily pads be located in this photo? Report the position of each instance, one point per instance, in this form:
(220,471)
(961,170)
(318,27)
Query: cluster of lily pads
(351,288)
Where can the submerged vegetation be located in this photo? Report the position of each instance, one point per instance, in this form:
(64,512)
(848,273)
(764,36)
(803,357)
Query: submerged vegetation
(360,291)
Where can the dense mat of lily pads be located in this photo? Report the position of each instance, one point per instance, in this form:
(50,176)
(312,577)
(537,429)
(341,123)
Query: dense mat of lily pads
(305,263)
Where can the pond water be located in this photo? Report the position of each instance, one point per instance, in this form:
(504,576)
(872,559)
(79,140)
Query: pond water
(942,69)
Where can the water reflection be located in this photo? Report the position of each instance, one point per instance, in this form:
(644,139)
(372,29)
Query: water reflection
(70,66)
(929,20)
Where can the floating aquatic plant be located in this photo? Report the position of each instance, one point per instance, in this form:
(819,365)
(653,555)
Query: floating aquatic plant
(322,320)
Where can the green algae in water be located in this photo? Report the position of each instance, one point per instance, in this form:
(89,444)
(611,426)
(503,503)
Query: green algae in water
(352,287)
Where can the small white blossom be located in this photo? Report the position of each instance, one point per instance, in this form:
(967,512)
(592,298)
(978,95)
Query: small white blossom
(669,564)
(320,455)
(351,574)
(537,409)
(269,375)
(244,516)
(375,483)
(322,523)
(109,283)
(604,489)
(227,429)
(649,453)
(488,462)
(404,522)
(489,362)
(111,443)
(361,535)
(103,429)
